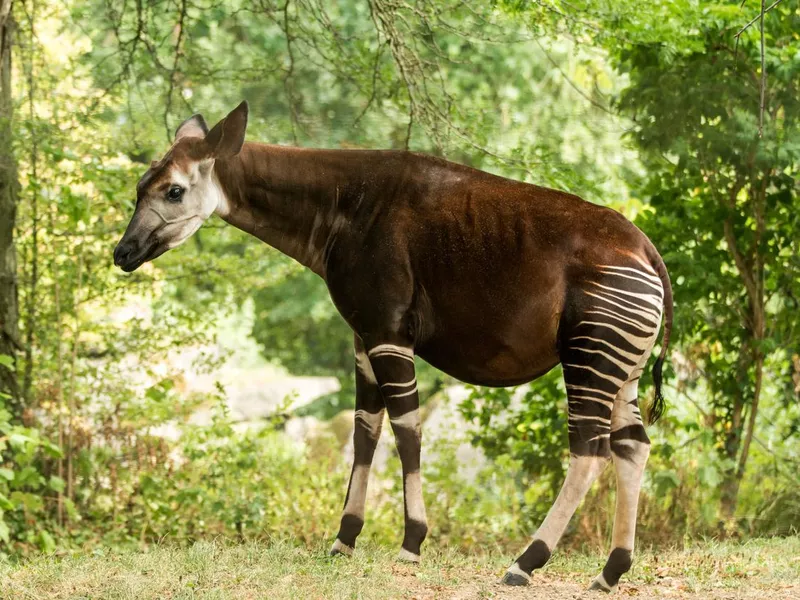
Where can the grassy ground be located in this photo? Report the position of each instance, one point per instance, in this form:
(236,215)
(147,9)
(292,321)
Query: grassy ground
(758,569)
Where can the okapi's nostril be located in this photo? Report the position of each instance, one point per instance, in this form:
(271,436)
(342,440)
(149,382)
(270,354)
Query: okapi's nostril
(121,252)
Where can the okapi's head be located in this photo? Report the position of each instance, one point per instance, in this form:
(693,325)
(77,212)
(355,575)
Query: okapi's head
(180,191)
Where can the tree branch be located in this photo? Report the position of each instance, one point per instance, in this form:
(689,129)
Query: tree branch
(174,70)
(760,16)
(730,238)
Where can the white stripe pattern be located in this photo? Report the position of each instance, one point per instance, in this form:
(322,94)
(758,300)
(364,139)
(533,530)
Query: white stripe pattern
(588,389)
(392,350)
(610,378)
(642,312)
(649,274)
(409,420)
(629,355)
(656,285)
(406,384)
(402,394)
(370,421)
(656,304)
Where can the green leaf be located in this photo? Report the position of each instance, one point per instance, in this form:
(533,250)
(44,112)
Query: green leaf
(7,361)
(46,542)
(6,473)
(72,511)
(4,532)
(5,503)
(31,502)
(18,439)
(56,483)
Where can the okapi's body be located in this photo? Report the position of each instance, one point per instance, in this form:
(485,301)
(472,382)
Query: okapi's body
(490,280)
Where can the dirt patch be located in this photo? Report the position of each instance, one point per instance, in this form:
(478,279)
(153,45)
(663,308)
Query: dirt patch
(546,587)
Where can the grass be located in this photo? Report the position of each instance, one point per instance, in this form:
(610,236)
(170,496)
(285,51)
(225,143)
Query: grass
(756,569)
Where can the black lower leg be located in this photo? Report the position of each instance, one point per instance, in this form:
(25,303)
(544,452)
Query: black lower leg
(415,533)
(349,529)
(618,563)
(535,557)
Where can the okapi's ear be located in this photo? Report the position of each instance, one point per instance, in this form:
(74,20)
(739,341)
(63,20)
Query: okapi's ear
(194,126)
(227,137)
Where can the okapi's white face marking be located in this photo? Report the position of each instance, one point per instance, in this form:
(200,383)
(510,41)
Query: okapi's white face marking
(179,192)
(200,195)
(168,213)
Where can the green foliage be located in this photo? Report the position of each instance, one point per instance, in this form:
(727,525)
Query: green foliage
(527,426)
(540,91)
(24,487)
(297,324)
(245,484)
(724,206)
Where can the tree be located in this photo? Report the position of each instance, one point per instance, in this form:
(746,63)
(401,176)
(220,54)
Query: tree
(725,209)
(9,333)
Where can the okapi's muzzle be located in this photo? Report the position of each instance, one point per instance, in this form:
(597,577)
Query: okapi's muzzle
(137,246)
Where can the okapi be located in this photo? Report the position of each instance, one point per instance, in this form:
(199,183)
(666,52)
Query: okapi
(491,280)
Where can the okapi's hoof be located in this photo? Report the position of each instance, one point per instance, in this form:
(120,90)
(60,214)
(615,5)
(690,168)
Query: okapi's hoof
(600,586)
(407,556)
(516,576)
(340,549)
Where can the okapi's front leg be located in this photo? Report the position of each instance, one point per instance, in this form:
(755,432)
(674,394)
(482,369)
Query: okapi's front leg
(394,370)
(367,431)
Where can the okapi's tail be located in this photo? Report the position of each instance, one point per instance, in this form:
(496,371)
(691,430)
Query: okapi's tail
(657,408)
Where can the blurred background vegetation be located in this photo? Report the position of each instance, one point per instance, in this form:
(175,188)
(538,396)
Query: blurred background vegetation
(667,111)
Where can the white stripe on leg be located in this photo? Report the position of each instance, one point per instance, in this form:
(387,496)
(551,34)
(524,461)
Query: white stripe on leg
(415,505)
(358,492)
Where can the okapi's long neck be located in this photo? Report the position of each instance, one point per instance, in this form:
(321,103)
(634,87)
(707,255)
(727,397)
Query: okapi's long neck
(294,199)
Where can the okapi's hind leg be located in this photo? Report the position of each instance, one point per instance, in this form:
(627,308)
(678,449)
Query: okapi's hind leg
(591,396)
(630,448)
(367,431)
(608,330)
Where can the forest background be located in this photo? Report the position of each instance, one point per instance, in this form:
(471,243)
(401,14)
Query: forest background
(683,115)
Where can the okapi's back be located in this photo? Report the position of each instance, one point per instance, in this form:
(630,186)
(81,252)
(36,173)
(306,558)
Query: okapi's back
(492,261)
(484,221)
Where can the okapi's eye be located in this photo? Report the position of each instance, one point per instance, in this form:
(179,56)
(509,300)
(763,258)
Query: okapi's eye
(175,193)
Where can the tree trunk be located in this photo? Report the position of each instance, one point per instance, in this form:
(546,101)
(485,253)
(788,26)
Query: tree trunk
(737,446)
(9,317)
(730,484)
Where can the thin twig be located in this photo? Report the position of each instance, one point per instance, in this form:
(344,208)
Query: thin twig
(760,16)
(572,84)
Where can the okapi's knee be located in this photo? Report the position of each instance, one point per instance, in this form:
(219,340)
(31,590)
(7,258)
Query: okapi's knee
(589,440)
(619,562)
(631,443)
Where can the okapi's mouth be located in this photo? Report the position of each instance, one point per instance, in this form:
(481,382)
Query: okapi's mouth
(129,259)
